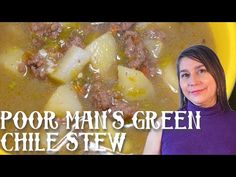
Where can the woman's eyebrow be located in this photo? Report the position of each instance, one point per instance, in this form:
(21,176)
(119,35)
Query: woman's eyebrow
(199,66)
(183,70)
(196,67)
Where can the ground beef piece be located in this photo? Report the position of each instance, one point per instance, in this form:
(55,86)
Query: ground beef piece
(73,40)
(126,25)
(104,99)
(101,97)
(46,29)
(39,72)
(37,66)
(134,49)
(38,42)
(101,27)
(140,57)
(130,43)
(148,68)
(22,68)
(120,27)
(127,109)
(54,53)
(154,33)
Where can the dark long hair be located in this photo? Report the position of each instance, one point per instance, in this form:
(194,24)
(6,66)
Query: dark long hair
(209,59)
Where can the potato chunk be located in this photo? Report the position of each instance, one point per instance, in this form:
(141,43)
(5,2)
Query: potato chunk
(10,59)
(104,51)
(63,99)
(134,85)
(71,64)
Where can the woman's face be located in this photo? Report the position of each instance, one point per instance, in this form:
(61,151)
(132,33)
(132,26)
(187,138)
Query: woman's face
(197,83)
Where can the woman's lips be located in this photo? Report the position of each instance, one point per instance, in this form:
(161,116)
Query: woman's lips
(197,92)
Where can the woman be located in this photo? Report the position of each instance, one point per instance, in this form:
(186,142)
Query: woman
(202,87)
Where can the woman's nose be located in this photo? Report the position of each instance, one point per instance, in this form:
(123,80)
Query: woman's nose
(193,80)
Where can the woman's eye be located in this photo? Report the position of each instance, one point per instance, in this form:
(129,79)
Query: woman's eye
(185,75)
(201,71)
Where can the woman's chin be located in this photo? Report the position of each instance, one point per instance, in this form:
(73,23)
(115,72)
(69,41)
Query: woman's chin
(198,101)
